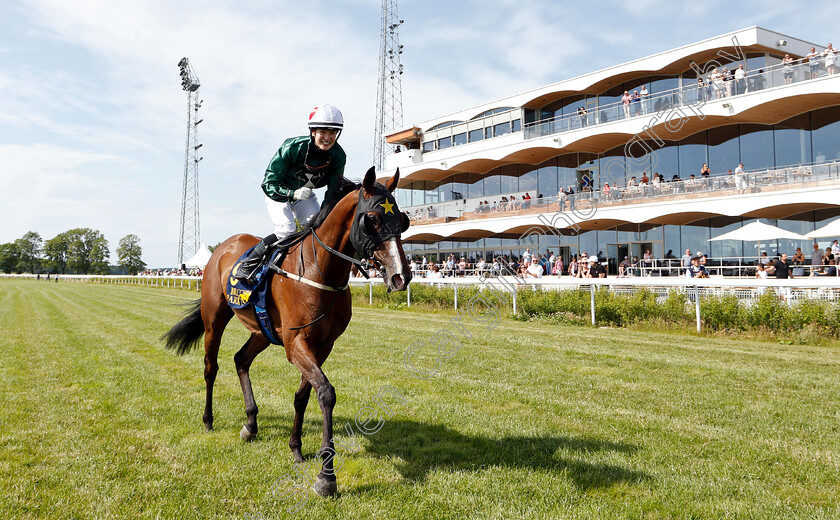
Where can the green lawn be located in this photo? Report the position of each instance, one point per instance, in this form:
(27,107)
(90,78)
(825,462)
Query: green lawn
(528,420)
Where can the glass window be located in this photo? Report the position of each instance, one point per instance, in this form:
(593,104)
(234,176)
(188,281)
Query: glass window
(528,182)
(458,139)
(501,129)
(445,142)
(492,185)
(547,181)
(517,125)
(724,149)
(793,141)
(476,189)
(757,147)
(695,237)
(488,132)
(428,146)
(509,180)
(432,193)
(665,160)
(725,249)
(826,134)
(476,135)
(692,155)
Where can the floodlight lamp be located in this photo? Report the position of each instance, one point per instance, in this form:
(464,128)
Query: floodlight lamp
(199,145)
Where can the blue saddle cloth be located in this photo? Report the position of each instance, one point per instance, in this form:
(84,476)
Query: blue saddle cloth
(241,294)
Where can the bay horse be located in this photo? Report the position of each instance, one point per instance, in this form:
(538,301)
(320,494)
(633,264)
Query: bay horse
(309,311)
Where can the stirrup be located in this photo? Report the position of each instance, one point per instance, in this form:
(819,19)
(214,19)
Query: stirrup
(248,268)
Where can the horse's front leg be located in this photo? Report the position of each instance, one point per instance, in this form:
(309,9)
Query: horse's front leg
(243,359)
(325,483)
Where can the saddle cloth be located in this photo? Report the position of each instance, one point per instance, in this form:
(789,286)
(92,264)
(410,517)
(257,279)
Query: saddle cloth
(240,294)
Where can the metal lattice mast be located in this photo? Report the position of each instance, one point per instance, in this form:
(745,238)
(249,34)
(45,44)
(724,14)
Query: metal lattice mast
(190,236)
(389,90)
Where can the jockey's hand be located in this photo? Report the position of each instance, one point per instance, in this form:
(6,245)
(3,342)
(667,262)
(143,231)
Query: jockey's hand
(303,193)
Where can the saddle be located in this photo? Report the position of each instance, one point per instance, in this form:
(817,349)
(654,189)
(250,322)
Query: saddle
(241,294)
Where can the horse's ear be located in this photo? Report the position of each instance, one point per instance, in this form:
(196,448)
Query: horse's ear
(370,178)
(393,181)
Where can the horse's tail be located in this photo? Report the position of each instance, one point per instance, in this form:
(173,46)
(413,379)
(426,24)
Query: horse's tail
(184,335)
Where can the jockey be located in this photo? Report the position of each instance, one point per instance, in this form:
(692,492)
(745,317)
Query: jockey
(301,165)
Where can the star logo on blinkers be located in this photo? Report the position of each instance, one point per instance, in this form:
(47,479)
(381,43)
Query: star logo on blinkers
(389,208)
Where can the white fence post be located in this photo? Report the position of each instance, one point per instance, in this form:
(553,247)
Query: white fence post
(371,293)
(455,285)
(514,299)
(592,302)
(697,305)
(408,295)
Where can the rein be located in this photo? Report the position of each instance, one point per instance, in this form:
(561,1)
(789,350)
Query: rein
(300,278)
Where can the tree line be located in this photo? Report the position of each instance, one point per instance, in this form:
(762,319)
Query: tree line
(77,251)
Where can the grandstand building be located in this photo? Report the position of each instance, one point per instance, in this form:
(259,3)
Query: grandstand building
(562,167)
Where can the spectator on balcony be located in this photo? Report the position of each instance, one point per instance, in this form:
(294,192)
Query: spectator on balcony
(705,171)
(827,256)
(835,249)
(462,267)
(813,63)
(433,272)
(573,267)
(624,268)
(816,257)
(741,79)
(644,181)
(581,112)
(787,69)
(561,199)
(558,266)
(761,272)
(701,90)
(596,270)
(764,259)
(637,103)
(831,270)
(685,261)
(798,257)
(625,101)
(716,79)
(606,190)
(644,95)
(829,54)
(728,81)
(526,201)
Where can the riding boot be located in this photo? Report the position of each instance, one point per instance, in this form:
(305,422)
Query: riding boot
(248,268)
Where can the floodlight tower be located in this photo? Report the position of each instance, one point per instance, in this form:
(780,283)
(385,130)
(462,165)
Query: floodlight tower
(188,240)
(389,91)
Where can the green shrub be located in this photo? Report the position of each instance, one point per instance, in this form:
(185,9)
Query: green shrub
(721,312)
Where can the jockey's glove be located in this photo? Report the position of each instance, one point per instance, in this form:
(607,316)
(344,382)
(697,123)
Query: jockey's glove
(302,193)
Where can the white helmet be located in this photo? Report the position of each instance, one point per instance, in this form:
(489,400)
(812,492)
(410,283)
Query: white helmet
(326,116)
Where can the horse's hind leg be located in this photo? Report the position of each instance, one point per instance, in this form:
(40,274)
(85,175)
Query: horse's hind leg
(214,328)
(301,400)
(243,359)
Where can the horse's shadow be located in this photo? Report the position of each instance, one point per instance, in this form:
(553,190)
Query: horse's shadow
(417,449)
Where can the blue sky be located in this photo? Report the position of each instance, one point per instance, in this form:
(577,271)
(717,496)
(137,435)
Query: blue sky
(92,117)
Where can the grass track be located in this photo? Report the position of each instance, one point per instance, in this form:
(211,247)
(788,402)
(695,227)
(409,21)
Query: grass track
(527,421)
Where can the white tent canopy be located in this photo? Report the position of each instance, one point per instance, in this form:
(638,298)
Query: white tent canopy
(200,258)
(832,229)
(759,232)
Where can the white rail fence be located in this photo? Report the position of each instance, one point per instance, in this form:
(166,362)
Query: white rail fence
(745,289)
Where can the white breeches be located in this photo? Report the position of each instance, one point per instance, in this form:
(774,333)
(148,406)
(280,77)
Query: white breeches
(283,214)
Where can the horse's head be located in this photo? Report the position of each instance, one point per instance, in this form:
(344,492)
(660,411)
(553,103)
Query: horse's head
(377,227)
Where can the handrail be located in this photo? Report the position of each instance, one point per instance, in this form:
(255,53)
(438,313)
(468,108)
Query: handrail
(686,95)
(751,181)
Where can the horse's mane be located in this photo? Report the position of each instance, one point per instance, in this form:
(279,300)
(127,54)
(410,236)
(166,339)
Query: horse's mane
(345,186)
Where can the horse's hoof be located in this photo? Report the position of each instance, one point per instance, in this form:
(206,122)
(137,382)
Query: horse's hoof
(325,488)
(246,434)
